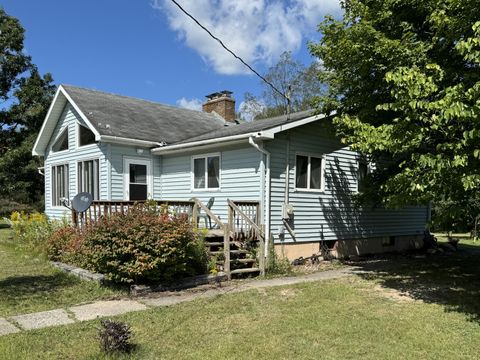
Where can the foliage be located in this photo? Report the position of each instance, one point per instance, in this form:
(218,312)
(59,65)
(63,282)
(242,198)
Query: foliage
(404,77)
(32,230)
(64,244)
(292,78)
(146,244)
(115,336)
(277,265)
(26,96)
(8,206)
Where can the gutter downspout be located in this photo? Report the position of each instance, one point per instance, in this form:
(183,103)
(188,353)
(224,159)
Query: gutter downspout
(266,192)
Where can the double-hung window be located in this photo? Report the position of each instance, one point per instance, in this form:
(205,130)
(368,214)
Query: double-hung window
(206,172)
(59,178)
(309,173)
(88,177)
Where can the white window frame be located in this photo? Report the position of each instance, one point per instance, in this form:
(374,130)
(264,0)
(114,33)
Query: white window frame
(65,129)
(77,137)
(99,175)
(192,172)
(126,175)
(56,164)
(323,157)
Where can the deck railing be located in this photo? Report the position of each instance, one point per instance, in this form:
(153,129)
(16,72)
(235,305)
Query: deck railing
(243,223)
(100,208)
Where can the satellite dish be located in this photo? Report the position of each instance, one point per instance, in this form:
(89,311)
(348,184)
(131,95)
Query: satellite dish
(82,201)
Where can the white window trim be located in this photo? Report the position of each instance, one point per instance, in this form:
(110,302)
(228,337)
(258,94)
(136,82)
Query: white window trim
(52,152)
(322,175)
(52,165)
(192,173)
(126,175)
(77,137)
(99,174)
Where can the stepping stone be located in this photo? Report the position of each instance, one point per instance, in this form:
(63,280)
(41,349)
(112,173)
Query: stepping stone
(43,319)
(7,328)
(105,308)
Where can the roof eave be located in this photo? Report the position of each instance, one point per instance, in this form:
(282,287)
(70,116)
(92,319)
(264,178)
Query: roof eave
(129,141)
(267,134)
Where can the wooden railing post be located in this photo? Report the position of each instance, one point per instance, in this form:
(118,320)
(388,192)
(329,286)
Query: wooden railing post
(75,218)
(261,252)
(226,243)
(195,214)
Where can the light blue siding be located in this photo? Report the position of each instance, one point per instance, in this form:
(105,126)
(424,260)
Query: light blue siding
(69,119)
(239,177)
(117,157)
(330,215)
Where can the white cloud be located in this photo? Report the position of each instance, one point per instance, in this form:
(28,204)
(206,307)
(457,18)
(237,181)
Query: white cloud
(192,104)
(257,30)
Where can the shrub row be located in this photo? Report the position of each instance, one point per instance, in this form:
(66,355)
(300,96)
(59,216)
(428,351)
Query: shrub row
(144,245)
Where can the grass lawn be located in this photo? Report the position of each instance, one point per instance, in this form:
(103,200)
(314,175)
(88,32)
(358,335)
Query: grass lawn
(28,283)
(401,308)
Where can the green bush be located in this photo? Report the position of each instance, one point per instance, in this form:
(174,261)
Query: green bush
(33,230)
(64,245)
(144,245)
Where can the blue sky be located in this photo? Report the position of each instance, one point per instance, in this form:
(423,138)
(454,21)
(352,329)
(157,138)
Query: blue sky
(149,49)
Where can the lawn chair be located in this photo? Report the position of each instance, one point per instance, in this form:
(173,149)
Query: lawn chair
(207,219)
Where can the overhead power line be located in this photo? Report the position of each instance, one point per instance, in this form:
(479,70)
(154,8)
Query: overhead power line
(235,55)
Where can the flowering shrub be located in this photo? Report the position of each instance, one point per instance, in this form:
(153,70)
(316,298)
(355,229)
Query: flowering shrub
(65,244)
(144,245)
(32,229)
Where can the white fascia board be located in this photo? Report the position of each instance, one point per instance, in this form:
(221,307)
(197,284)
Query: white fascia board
(48,119)
(294,124)
(207,143)
(35,151)
(127,141)
(82,115)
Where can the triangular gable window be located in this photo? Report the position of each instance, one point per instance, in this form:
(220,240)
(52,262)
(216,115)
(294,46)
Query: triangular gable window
(85,136)
(62,142)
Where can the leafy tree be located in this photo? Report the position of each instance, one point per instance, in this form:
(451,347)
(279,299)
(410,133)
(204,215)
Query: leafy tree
(292,78)
(25,96)
(404,78)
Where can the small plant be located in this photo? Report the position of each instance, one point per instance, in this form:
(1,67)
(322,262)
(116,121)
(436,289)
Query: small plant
(33,230)
(115,336)
(277,265)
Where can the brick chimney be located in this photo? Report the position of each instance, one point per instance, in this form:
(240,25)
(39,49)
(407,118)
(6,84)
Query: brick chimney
(222,103)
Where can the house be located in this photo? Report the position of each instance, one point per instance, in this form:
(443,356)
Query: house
(121,148)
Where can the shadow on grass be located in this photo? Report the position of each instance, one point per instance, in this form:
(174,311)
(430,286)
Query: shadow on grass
(33,286)
(452,280)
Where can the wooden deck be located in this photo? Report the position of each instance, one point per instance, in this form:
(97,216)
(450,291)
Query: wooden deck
(238,239)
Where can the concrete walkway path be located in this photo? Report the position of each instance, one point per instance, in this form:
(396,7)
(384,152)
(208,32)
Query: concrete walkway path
(85,312)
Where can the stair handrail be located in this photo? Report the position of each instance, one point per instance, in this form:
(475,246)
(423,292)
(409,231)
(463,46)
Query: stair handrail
(245,217)
(209,212)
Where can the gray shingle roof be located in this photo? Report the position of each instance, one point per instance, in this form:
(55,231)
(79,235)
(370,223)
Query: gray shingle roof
(140,119)
(249,127)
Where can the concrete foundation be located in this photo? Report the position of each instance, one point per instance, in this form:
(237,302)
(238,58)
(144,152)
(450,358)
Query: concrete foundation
(344,248)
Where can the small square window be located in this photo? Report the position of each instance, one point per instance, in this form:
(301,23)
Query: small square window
(309,172)
(206,172)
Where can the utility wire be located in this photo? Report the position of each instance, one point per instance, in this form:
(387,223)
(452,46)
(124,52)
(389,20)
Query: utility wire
(235,55)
